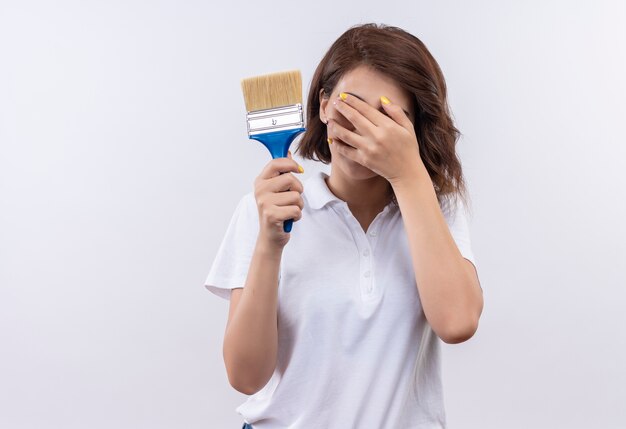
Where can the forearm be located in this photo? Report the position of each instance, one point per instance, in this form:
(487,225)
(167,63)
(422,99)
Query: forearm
(451,299)
(251,338)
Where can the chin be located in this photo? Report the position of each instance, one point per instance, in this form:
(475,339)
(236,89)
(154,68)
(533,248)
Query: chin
(355,170)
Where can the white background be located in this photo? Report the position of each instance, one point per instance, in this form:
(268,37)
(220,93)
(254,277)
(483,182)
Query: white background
(123,153)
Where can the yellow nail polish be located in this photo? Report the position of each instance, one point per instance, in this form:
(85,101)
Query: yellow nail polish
(329,140)
(384,100)
(300,169)
(343,96)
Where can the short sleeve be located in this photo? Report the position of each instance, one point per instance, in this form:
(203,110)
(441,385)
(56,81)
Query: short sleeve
(459,228)
(232,261)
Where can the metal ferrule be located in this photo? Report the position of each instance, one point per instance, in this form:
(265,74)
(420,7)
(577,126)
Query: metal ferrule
(278,119)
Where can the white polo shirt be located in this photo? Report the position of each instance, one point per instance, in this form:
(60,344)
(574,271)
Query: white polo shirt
(354,347)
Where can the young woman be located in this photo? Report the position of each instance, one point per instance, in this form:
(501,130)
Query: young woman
(338,324)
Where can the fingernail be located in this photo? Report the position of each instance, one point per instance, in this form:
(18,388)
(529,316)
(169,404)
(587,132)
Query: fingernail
(289,152)
(343,96)
(329,140)
(384,100)
(300,169)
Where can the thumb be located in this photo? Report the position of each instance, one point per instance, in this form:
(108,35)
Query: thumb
(300,169)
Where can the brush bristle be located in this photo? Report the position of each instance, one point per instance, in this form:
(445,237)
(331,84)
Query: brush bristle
(272,90)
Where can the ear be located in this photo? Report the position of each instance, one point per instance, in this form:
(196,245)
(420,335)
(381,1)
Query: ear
(323,104)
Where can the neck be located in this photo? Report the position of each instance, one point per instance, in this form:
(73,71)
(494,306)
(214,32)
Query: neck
(367,196)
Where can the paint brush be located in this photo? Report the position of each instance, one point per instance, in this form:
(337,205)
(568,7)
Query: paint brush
(275,116)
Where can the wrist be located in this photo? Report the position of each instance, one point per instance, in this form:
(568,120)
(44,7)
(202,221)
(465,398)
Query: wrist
(268,247)
(417,175)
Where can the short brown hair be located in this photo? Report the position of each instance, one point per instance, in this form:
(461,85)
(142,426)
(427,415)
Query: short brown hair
(403,57)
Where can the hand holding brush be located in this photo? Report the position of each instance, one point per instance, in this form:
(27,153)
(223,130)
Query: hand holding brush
(278,197)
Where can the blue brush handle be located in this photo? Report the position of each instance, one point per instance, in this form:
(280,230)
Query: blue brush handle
(278,144)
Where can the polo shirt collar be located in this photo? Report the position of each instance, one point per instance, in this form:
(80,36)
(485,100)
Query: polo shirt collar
(318,193)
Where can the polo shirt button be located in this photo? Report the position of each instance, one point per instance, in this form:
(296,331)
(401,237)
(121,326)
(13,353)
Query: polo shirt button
(373,233)
(366,252)
(369,288)
(366,274)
